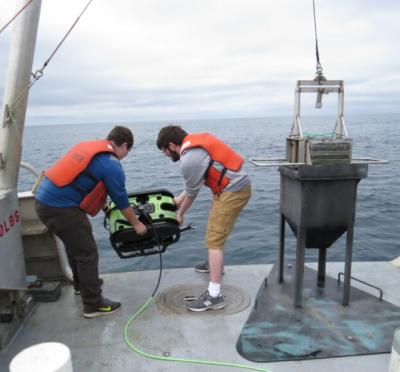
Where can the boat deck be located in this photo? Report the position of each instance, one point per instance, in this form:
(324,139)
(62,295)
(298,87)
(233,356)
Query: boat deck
(98,344)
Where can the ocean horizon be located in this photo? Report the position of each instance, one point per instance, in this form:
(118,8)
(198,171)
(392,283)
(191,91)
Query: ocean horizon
(255,238)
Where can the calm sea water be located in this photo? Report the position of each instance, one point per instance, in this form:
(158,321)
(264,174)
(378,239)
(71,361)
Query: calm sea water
(256,235)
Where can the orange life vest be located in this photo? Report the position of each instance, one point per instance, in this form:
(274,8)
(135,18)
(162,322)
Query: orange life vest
(74,163)
(222,157)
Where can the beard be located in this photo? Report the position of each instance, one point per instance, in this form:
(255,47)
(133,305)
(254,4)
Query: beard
(175,156)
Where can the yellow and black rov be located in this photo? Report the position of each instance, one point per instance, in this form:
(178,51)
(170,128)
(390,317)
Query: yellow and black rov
(157,210)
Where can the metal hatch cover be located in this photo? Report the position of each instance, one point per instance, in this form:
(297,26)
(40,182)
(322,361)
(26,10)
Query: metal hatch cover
(323,328)
(172,299)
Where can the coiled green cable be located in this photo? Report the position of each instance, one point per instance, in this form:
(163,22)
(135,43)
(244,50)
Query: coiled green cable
(172,359)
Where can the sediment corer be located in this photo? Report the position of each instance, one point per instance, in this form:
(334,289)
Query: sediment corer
(157,210)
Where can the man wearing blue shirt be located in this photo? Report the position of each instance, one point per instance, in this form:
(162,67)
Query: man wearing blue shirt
(78,184)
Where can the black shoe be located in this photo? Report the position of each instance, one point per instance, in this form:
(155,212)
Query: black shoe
(77,291)
(203,267)
(107,307)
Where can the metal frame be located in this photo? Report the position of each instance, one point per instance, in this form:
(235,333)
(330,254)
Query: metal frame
(273,162)
(320,87)
(29,168)
(363,282)
(300,262)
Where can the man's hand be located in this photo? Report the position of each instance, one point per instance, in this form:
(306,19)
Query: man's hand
(130,215)
(184,204)
(140,228)
(179,217)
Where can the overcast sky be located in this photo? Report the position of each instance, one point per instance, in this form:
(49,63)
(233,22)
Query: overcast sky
(130,60)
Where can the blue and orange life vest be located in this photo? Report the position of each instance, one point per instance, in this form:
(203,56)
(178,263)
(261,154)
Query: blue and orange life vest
(222,156)
(74,163)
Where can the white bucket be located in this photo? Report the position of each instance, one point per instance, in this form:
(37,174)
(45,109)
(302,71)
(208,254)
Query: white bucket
(45,357)
(394,365)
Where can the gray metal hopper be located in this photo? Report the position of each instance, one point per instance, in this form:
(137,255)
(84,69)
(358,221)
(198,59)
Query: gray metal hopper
(319,179)
(318,202)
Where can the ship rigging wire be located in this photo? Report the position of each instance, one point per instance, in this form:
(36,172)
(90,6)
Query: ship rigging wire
(318,66)
(39,73)
(15,16)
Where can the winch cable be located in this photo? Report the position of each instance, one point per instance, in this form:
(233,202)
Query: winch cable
(134,316)
(319,66)
(15,16)
(35,76)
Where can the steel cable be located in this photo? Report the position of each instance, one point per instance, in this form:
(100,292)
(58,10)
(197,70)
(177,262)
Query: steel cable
(16,15)
(39,73)
(319,66)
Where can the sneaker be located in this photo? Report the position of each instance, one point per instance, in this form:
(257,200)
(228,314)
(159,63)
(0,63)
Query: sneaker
(77,291)
(189,298)
(206,302)
(203,267)
(107,307)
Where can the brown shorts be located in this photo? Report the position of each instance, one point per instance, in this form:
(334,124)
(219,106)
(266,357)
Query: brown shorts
(225,208)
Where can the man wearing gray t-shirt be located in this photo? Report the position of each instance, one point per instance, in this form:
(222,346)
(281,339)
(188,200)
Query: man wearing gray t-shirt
(207,160)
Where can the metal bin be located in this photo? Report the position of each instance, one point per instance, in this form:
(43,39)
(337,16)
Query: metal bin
(318,202)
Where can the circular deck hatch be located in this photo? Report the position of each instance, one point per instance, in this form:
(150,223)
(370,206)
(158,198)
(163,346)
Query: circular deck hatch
(173,299)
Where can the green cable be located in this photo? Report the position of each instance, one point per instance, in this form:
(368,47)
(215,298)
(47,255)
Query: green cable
(172,359)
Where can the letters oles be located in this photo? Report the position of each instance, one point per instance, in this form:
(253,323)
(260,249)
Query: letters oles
(7,224)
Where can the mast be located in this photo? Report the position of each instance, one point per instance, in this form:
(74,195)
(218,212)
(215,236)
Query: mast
(12,265)
(15,93)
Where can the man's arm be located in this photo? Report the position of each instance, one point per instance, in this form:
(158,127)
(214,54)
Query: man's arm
(179,199)
(114,179)
(194,164)
(184,206)
(130,215)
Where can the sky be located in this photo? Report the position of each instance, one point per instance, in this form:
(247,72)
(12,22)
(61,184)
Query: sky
(130,60)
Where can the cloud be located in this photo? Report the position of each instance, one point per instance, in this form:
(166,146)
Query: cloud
(186,59)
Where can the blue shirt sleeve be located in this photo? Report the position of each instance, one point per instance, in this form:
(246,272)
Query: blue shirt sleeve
(104,167)
(108,168)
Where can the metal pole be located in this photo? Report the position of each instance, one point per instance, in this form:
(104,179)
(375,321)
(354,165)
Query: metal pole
(347,267)
(18,78)
(299,271)
(281,248)
(321,267)
(12,265)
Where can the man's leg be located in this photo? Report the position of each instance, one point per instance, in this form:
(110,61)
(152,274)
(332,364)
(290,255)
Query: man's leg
(224,211)
(216,262)
(83,249)
(72,226)
(74,270)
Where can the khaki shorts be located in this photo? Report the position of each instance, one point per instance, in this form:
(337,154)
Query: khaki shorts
(225,209)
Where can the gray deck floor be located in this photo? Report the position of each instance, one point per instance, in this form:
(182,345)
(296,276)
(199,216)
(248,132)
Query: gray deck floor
(98,344)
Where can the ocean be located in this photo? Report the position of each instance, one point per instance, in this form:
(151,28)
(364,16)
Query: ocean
(255,238)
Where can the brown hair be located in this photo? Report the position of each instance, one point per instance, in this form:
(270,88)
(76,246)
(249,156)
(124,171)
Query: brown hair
(119,135)
(170,134)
